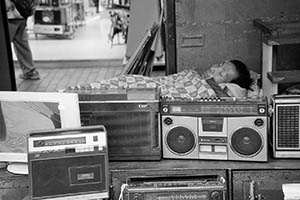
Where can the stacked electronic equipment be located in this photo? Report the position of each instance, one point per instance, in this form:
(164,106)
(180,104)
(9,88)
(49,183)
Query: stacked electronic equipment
(143,126)
(55,18)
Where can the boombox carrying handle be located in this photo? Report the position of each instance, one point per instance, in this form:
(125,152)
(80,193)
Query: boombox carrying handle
(173,177)
(123,187)
(270,110)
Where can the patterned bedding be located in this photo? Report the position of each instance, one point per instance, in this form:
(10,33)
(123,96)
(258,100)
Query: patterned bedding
(185,84)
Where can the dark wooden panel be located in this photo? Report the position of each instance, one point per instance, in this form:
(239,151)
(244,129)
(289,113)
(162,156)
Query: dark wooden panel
(288,57)
(265,184)
(7,81)
(165,164)
(265,174)
(170,35)
(13,187)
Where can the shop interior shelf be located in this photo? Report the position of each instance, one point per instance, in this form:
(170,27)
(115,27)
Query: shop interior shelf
(289,76)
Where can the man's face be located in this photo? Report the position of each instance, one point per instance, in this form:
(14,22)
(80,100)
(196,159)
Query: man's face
(224,72)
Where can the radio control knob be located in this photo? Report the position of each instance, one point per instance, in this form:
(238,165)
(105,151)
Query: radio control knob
(137,197)
(259,122)
(165,109)
(168,121)
(215,195)
(262,110)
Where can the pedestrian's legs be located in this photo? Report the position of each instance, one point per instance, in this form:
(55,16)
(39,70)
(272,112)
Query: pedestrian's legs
(21,46)
(96,2)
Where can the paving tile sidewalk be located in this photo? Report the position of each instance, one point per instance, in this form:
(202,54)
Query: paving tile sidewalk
(54,79)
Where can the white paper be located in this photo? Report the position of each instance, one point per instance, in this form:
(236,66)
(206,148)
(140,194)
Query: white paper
(291,191)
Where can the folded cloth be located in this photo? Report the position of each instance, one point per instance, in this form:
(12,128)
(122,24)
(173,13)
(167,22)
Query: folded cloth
(185,84)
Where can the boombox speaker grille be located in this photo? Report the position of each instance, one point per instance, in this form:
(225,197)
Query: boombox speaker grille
(246,141)
(126,129)
(288,126)
(180,140)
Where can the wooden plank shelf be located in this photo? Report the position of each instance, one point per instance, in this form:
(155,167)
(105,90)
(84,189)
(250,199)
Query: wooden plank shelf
(290,76)
(274,34)
(280,32)
(16,187)
(283,39)
(181,164)
(276,28)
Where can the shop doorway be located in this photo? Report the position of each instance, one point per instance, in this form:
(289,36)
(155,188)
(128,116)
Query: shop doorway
(86,37)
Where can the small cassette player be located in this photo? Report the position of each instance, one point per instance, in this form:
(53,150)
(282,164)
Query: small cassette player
(209,187)
(215,129)
(68,163)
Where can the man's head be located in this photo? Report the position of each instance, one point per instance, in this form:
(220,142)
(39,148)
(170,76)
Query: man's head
(233,71)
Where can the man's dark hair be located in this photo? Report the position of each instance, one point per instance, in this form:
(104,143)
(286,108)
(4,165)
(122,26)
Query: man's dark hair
(243,80)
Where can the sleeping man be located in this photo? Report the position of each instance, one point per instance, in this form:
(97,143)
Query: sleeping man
(228,79)
(226,75)
(233,71)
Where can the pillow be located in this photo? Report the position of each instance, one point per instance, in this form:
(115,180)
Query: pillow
(233,90)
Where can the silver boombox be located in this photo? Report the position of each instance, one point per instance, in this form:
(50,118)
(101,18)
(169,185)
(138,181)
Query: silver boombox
(215,129)
(68,163)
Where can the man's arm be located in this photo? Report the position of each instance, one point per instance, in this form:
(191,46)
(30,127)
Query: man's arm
(218,90)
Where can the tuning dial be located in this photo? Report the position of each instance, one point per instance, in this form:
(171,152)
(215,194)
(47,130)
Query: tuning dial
(215,195)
